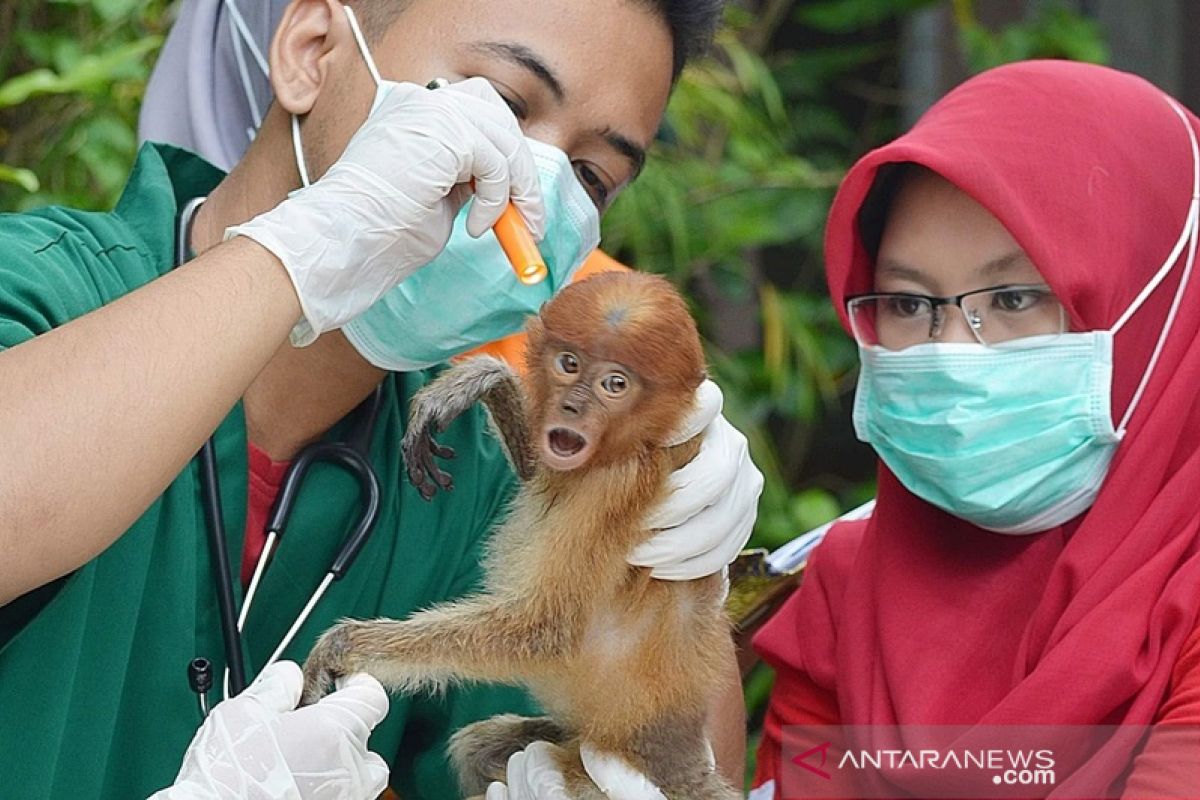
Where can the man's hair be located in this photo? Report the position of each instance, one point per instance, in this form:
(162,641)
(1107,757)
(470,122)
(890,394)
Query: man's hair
(692,23)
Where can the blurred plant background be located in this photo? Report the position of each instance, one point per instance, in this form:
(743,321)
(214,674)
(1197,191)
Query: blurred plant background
(731,205)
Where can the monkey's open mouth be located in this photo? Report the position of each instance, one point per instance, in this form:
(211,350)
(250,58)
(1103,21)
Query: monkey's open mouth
(565,442)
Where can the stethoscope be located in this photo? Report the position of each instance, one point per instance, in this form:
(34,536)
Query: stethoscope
(353,455)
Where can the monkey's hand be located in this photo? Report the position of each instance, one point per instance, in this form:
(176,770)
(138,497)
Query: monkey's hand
(435,406)
(420,449)
(329,660)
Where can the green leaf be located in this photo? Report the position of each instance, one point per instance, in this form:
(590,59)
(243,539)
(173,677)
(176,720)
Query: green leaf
(21,177)
(110,10)
(91,73)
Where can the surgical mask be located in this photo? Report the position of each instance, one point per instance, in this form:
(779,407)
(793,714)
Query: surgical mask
(469,295)
(1015,438)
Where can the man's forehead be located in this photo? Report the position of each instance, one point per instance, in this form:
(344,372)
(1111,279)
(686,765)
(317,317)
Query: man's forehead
(589,47)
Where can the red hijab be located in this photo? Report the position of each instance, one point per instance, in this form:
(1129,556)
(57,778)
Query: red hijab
(941,622)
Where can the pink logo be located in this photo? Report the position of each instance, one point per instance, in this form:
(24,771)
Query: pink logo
(823,749)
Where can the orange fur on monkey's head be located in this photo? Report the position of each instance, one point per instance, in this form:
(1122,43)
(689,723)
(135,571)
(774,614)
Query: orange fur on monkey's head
(613,365)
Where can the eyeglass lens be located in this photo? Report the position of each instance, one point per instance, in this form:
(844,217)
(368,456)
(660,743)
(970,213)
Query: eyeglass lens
(897,321)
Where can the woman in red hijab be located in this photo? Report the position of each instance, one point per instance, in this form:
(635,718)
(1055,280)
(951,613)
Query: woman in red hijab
(1034,556)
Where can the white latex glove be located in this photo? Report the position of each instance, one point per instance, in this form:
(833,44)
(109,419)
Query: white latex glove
(710,514)
(533,775)
(386,207)
(258,745)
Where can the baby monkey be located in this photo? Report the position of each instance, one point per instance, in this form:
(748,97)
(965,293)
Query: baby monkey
(619,660)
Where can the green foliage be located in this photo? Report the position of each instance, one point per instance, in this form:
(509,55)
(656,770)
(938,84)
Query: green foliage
(751,160)
(1054,32)
(848,16)
(72,74)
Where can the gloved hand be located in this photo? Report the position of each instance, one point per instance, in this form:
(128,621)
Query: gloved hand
(386,207)
(258,745)
(710,514)
(533,775)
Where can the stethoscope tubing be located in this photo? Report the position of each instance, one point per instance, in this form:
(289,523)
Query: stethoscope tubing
(352,455)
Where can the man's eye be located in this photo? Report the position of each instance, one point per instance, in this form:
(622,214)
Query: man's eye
(517,108)
(593,183)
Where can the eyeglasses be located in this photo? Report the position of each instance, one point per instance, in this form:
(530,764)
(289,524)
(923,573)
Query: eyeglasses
(896,320)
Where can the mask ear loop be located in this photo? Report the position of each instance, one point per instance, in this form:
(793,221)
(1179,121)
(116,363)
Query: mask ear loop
(362,45)
(243,40)
(366,54)
(300,165)
(1191,229)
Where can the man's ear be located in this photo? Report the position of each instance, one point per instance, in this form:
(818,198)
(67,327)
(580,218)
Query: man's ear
(299,50)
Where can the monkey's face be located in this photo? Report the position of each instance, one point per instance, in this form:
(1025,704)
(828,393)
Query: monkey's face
(586,402)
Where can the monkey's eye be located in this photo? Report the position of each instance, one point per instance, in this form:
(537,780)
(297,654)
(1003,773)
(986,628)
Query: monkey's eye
(567,363)
(614,384)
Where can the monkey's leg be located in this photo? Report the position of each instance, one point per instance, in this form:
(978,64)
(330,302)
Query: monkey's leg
(478,639)
(435,406)
(480,751)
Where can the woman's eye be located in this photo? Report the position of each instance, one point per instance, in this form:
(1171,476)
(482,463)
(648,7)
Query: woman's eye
(614,384)
(593,183)
(567,363)
(905,306)
(1015,299)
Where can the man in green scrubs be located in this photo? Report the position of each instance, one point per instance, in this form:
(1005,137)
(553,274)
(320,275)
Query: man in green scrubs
(115,367)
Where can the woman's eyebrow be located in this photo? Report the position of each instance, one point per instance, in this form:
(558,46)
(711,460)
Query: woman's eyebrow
(1004,263)
(893,268)
(527,59)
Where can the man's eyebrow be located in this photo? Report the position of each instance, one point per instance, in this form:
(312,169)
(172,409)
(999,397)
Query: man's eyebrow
(523,57)
(626,147)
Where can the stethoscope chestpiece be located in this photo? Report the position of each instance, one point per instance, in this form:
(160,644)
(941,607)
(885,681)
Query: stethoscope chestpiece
(200,679)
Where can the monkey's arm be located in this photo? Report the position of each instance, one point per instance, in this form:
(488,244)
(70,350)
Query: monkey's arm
(481,379)
(478,638)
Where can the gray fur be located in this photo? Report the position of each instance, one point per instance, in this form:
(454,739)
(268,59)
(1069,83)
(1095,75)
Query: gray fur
(480,379)
(480,751)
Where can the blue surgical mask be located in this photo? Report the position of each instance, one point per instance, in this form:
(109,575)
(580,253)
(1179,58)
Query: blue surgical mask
(1015,438)
(469,295)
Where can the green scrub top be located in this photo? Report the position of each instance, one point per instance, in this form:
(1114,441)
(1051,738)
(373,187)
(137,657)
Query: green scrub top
(94,699)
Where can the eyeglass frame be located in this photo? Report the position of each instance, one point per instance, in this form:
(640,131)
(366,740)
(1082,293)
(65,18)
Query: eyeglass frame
(938,318)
